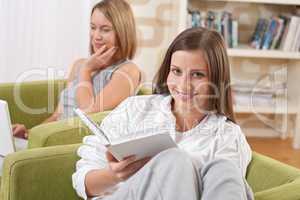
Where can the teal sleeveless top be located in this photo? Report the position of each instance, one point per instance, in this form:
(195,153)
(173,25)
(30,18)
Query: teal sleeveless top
(99,81)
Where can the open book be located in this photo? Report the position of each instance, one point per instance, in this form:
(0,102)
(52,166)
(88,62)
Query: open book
(140,146)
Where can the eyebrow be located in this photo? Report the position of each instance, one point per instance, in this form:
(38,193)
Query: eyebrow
(193,70)
(103,26)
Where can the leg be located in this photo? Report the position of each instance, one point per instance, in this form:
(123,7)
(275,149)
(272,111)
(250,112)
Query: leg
(168,176)
(222,180)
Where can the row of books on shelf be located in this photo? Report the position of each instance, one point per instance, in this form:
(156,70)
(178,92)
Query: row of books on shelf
(249,95)
(222,22)
(282,33)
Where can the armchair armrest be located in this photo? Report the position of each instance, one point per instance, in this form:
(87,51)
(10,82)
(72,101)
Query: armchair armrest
(69,131)
(288,191)
(43,173)
(31,102)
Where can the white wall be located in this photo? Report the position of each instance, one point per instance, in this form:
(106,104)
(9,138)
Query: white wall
(40,36)
(39,39)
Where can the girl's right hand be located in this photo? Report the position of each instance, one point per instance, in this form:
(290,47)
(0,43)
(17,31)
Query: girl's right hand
(124,169)
(19,130)
(101,58)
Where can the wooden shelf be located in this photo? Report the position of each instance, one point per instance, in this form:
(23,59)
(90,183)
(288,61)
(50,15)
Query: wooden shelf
(266,110)
(248,52)
(280,2)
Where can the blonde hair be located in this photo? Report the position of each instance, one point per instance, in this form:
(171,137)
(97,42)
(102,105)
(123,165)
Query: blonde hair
(119,13)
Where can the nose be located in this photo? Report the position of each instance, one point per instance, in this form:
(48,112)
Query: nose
(185,84)
(97,35)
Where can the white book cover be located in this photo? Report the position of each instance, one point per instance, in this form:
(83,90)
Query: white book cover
(296,43)
(139,145)
(235,34)
(288,43)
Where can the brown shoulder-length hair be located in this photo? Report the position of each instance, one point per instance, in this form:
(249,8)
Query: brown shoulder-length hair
(212,45)
(120,14)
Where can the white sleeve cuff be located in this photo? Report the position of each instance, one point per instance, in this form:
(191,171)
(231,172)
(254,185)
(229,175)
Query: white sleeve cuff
(79,181)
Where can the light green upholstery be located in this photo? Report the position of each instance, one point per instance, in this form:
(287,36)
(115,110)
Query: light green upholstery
(273,180)
(69,131)
(39,174)
(31,102)
(45,173)
(44,94)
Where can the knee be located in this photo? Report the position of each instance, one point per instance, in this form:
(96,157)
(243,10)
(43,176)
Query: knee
(221,168)
(174,157)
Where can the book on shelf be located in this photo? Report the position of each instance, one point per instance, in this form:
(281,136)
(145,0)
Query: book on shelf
(263,92)
(291,34)
(279,32)
(222,22)
(296,44)
(246,100)
(270,34)
(282,32)
(258,33)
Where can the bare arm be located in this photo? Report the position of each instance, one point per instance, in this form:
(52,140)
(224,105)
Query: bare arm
(54,116)
(71,75)
(123,84)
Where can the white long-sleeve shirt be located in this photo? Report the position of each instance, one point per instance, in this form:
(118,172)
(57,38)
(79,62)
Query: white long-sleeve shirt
(213,137)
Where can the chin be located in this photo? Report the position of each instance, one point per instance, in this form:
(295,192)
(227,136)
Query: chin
(96,48)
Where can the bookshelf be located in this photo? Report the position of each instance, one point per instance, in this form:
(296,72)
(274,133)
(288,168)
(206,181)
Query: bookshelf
(248,52)
(283,108)
(281,2)
(248,63)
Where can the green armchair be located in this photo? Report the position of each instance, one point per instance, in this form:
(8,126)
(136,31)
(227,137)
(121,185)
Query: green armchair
(45,173)
(30,103)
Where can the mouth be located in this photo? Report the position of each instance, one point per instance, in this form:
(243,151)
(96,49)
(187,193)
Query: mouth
(98,45)
(184,95)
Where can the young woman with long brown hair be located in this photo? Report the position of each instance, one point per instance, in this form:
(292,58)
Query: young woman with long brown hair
(192,102)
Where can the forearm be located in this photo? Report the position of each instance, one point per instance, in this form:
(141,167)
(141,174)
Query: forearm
(84,92)
(52,118)
(98,181)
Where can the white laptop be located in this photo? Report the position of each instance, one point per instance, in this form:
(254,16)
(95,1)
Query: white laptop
(8,143)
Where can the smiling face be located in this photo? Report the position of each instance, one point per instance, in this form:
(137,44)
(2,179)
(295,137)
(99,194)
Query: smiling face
(188,81)
(101,31)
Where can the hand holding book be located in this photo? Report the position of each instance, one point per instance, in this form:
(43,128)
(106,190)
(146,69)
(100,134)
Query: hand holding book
(141,146)
(125,168)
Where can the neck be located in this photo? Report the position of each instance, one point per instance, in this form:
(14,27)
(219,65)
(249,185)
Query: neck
(186,119)
(116,58)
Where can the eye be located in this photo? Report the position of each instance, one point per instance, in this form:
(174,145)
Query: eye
(106,30)
(176,71)
(93,27)
(198,74)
